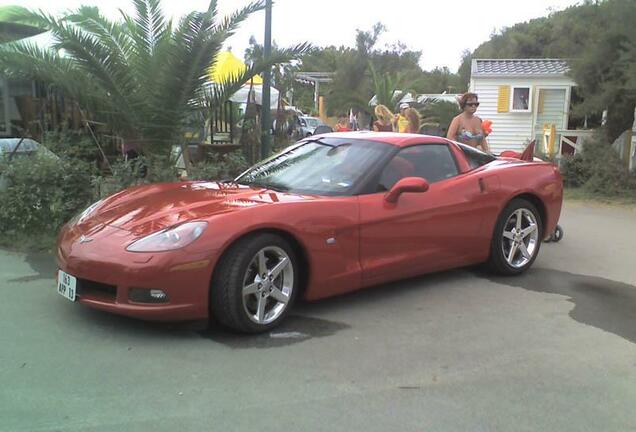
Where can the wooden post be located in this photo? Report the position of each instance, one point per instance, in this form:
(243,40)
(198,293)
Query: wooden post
(322,109)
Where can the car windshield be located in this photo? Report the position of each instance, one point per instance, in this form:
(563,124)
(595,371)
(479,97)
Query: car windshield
(329,166)
(312,122)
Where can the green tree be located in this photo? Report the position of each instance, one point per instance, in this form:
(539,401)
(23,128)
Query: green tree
(599,39)
(143,74)
(282,74)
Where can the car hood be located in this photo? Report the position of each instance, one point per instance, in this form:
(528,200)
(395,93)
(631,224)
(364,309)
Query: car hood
(148,209)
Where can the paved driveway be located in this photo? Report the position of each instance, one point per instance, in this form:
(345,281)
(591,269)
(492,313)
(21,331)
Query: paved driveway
(554,350)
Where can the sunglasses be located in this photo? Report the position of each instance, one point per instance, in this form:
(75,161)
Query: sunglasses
(473,104)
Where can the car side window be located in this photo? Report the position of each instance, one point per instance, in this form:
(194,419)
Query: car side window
(475,158)
(433,162)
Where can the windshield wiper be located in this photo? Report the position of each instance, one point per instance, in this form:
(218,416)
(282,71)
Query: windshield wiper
(278,187)
(318,141)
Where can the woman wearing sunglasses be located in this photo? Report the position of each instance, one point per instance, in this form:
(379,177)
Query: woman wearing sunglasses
(466,127)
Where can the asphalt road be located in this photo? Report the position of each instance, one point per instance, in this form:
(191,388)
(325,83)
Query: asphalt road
(553,350)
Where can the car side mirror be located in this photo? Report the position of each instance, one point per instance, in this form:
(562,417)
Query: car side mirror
(407,184)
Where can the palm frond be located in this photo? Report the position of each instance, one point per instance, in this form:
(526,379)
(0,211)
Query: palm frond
(35,18)
(229,24)
(88,53)
(151,24)
(26,60)
(109,33)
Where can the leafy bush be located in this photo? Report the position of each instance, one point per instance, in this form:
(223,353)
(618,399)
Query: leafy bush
(575,171)
(72,145)
(220,167)
(132,172)
(599,170)
(39,193)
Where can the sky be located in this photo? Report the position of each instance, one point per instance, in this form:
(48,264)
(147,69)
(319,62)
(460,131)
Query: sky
(441,29)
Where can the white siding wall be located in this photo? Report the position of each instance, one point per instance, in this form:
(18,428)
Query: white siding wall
(511,130)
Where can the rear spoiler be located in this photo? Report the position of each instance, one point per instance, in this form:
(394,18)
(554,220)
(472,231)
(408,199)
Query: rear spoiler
(526,155)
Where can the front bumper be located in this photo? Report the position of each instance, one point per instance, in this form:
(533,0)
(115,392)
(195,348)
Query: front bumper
(107,273)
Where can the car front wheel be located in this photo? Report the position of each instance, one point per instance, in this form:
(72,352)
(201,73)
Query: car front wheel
(517,238)
(255,284)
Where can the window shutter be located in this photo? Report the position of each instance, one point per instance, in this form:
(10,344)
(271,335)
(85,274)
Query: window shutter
(540,101)
(503,101)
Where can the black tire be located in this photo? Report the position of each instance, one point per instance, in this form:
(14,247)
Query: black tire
(558,234)
(497,261)
(226,291)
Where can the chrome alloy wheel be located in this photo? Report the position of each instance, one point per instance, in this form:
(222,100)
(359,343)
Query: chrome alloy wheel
(520,238)
(268,285)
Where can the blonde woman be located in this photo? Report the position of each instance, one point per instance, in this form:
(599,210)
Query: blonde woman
(413,117)
(383,122)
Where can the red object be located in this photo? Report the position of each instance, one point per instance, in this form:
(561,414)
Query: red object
(379,237)
(486,126)
(340,128)
(526,155)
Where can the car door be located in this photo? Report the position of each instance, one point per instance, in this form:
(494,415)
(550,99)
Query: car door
(424,231)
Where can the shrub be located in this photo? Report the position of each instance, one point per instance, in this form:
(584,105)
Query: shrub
(220,167)
(40,193)
(72,145)
(599,170)
(575,171)
(132,172)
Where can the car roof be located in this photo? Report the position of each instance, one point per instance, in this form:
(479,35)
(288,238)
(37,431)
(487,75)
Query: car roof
(8,145)
(392,138)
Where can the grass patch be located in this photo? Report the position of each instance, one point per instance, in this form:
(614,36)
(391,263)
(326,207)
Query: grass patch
(29,242)
(582,194)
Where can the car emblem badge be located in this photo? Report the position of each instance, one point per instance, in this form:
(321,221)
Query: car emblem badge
(83,239)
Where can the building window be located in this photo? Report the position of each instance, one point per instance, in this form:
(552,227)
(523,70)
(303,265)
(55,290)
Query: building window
(521,99)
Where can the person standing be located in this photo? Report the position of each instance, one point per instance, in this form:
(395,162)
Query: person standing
(383,122)
(400,121)
(413,118)
(466,127)
(342,125)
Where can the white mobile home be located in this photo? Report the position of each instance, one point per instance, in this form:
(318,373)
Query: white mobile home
(526,99)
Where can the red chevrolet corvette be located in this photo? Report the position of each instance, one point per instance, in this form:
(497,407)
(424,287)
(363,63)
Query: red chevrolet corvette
(328,215)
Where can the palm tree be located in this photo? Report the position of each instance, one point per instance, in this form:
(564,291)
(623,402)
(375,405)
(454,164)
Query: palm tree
(143,74)
(387,87)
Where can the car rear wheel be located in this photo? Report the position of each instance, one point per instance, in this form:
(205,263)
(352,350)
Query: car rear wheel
(255,284)
(517,238)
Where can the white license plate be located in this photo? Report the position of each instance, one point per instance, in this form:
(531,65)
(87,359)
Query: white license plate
(66,285)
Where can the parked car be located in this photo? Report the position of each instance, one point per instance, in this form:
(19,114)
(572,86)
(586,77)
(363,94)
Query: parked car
(17,147)
(307,125)
(328,215)
(11,148)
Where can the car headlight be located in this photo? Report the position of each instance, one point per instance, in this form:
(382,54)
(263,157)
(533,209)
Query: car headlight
(170,238)
(81,216)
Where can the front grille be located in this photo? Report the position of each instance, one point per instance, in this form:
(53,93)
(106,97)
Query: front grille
(87,287)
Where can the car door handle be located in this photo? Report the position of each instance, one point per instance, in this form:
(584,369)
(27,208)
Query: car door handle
(482,185)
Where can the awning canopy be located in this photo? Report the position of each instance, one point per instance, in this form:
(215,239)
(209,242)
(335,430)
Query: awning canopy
(226,66)
(243,95)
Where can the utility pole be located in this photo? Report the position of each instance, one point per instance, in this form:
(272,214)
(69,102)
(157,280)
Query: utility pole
(266,114)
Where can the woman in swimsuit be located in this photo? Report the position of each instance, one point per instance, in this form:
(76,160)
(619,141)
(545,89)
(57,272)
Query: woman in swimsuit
(466,128)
